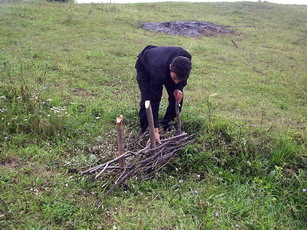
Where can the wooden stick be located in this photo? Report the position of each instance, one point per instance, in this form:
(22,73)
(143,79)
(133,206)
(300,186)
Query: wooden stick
(150,124)
(120,140)
(104,169)
(178,121)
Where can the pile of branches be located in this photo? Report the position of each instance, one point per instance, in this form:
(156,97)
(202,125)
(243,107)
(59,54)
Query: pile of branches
(144,163)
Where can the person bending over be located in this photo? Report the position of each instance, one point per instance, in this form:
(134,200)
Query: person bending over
(157,67)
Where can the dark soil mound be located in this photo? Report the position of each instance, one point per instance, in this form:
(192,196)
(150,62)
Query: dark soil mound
(185,28)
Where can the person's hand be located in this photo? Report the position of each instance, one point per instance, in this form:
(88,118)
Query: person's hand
(157,136)
(178,94)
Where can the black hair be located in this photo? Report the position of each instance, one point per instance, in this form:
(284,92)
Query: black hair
(182,67)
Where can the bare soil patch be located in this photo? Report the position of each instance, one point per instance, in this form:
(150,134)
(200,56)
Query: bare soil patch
(10,162)
(186,28)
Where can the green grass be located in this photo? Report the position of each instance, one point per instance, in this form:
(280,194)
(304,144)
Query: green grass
(67,71)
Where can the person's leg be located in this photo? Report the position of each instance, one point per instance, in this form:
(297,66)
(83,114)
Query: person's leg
(170,113)
(143,79)
(143,115)
(147,94)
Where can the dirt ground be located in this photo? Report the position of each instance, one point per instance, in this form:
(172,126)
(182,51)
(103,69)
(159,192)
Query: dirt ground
(185,28)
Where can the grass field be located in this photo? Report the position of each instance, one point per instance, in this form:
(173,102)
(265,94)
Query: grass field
(67,71)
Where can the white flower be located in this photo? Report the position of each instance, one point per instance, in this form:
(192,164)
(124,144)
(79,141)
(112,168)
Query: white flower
(217,214)
(180,181)
(304,190)
(2,97)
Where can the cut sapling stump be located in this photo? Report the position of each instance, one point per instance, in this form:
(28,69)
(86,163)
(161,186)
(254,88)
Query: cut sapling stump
(120,139)
(150,124)
(178,121)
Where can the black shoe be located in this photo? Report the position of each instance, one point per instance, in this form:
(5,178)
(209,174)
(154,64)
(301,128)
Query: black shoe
(167,127)
(142,132)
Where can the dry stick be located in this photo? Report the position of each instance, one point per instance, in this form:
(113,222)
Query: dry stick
(125,155)
(114,186)
(174,137)
(178,121)
(121,175)
(91,170)
(167,141)
(148,159)
(150,124)
(120,140)
(168,159)
(117,168)
(101,171)
(156,148)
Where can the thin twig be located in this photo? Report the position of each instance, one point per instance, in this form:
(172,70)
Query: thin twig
(101,171)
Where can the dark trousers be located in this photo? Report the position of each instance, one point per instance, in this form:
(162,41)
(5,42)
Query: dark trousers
(154,95)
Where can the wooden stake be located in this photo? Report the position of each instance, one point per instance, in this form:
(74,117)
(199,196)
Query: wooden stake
(120,139)
(178,121)
(150,124)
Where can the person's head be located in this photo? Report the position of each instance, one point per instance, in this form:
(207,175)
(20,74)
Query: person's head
(180,69)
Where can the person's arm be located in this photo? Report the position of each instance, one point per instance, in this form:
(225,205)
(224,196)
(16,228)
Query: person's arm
(157,137)
(181,85)
(178,94)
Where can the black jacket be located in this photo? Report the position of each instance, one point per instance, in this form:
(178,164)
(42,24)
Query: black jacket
(156,61)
